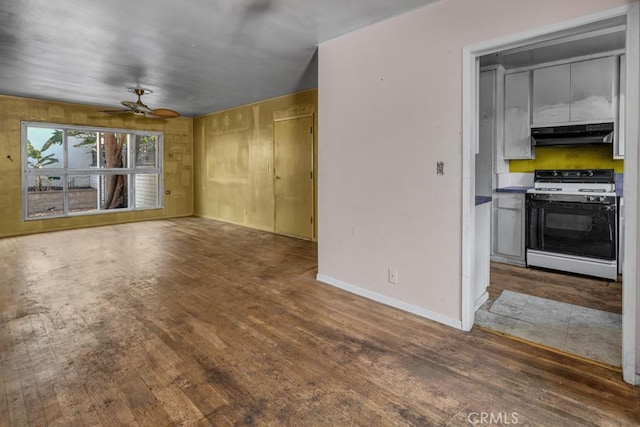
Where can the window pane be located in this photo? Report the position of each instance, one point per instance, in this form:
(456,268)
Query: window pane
(44,182)
(44,203)
(83,193)
(70,170)
(81,148)
(146,150)
(114,191)
(113,150)
(44,148)
(146,190)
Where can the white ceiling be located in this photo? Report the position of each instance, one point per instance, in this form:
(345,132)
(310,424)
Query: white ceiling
(198,56)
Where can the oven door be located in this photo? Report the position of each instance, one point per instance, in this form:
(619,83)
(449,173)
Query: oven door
(572,228)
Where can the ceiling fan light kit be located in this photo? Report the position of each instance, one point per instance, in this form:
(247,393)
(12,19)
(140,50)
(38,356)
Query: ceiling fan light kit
(140,109)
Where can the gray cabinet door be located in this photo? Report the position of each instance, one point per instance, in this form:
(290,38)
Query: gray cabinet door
(508,228)
(621,124)
(486,89)
(582,91)
(551,94)
(593,89)
(517,128)
(486,133)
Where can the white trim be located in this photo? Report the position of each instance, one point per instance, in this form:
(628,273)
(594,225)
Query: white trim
(132,170)
(470,73)
(537,35)
(483,298)
(392,302)
(616,52)
(630,366)
(570,38)
(48,125)
(632,163)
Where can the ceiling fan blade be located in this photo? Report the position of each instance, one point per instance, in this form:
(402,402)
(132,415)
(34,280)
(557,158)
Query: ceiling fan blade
(164,113)
(137,107)
(129,104)
(115,111)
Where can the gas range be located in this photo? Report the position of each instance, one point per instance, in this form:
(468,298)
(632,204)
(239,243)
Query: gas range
(572,222)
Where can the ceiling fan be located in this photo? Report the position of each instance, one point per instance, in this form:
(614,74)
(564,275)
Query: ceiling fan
(140,109)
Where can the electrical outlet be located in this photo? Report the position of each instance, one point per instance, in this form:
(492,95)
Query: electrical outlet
(393,276)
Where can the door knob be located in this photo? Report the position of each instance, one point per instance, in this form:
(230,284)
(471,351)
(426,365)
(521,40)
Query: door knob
(276,177)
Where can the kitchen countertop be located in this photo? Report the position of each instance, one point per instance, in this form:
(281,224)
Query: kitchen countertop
(481,200)
(513,189)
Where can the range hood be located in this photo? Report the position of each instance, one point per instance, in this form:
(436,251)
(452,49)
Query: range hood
(599,133)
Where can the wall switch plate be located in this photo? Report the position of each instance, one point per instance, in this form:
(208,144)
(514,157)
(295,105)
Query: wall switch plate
(393,276)
(440,168)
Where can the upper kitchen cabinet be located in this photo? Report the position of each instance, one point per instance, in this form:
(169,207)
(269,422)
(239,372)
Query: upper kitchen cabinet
(593,89)
(579,92)
(517,113)
(551,94)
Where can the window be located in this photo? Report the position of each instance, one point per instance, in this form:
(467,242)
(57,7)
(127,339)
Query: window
(74,170)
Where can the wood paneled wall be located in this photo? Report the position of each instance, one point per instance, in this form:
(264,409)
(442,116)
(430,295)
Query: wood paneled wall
(234,151)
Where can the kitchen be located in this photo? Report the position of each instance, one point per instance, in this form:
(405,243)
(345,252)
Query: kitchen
(548,176)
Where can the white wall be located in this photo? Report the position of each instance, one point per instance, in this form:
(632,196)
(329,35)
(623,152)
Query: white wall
(390,107)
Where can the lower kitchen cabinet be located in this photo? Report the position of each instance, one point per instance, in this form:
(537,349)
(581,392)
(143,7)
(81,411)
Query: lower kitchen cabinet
(508,242)
(482,254)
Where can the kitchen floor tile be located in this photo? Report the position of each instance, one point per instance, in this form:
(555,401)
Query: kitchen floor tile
(585,332)
(511,305)
(596,335)
(547,333)
(542,311)
(494,321)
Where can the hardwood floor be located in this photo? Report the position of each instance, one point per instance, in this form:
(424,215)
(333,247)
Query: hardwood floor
(599,294)
(196,322)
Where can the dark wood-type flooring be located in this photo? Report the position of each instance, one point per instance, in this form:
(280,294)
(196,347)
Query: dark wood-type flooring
(195,322)
(599,294)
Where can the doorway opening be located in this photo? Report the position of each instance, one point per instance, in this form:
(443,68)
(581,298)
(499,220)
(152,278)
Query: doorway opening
(560,44)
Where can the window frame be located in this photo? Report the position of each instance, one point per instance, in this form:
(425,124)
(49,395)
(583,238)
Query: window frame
(63,171)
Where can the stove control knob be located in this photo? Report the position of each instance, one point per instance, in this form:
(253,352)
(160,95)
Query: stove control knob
(602,198)
(590,173)
(591,198)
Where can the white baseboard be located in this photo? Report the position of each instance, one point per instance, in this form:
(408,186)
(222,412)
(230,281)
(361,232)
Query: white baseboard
(419,311)
(483,298)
